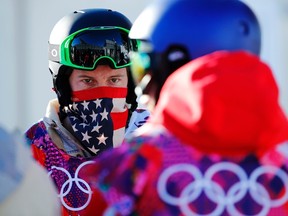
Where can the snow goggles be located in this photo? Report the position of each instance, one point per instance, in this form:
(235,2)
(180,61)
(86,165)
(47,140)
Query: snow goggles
(142,61)
(148,61)
(86,48)
(141,64)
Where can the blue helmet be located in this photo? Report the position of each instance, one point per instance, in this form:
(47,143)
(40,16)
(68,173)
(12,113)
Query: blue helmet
(178,31)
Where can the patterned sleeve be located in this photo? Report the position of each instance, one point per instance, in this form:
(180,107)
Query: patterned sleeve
(120,176)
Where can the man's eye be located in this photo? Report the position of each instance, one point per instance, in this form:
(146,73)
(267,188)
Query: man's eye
(114,80)
(87,80)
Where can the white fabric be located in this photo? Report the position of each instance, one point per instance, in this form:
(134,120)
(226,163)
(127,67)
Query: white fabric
(25,187)
(136,120)
(35,196)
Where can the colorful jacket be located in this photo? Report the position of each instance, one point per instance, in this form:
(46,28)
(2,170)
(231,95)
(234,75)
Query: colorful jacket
(216,144)
(61,154)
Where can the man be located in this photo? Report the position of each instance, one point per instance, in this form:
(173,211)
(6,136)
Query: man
(96,105)
(210,145)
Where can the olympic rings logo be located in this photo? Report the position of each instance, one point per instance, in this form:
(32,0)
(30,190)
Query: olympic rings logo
(216,194)
(78,181)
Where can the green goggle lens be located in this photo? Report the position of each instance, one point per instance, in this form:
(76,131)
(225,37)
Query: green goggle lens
(88,47)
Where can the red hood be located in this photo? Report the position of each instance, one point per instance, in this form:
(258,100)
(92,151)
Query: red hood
(223,103)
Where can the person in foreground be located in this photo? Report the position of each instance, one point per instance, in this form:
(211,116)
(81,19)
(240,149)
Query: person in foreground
(219,149)
(26,189)
(216,141)
(96,105)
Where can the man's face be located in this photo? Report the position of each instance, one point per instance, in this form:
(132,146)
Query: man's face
(103,75)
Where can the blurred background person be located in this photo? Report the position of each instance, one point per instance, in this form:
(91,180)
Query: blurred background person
(25,188)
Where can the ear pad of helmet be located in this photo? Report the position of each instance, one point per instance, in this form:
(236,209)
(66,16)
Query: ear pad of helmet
(173,58)
(62,85)
(131,95)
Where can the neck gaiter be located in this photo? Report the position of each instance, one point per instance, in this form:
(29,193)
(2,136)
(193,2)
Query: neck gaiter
(98,117)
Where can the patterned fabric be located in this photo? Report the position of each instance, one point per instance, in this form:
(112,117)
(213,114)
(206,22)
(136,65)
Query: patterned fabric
(75,194)
(215,144)
(158,175)
(99,113)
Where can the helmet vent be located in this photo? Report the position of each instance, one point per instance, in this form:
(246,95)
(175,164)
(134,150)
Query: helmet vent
(176,55)
(244,28)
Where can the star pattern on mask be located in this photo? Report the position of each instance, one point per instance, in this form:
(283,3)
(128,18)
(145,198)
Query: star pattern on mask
(94,150)
(96,128)
(85,105)
(73,118)
(104,114)
(74,106)
(98,103)
(86,137)
(102,139)
(83,116)
(83,125)
(74,128)
(92,123)
(93,116)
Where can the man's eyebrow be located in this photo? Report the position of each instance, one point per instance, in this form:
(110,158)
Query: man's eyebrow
(118,75)
(84,75)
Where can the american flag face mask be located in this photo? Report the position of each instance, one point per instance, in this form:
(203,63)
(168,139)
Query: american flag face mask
(98,117)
